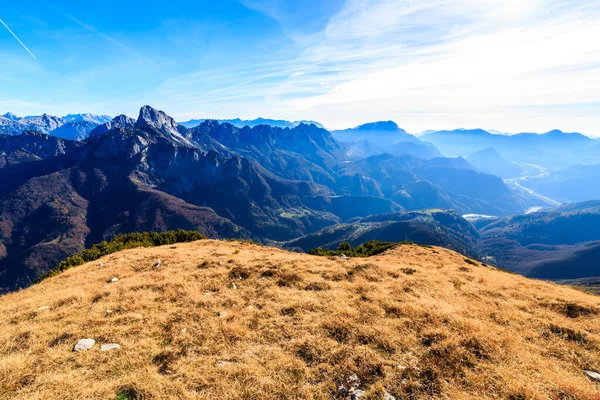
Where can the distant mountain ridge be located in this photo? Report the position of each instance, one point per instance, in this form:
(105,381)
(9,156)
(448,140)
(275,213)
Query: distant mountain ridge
(553,149)
(239,123)
(72,126)
(384,137)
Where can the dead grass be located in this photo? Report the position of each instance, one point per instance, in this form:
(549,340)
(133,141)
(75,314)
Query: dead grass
(230,320)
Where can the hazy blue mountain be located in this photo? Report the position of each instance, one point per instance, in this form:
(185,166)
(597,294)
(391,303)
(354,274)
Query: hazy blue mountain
(384,137)
(553,149)
(490,162)
(576,183)
(415,183)
(239,123)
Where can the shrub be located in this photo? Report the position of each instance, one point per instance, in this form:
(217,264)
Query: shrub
(123,242)
(367,249)
(344,246)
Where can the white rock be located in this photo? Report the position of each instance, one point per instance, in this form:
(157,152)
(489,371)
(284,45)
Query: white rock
(223,314)
(99,264)
(42,308)
(223,363)
(184,331)
(594,375)
(158,264)
(109,311)
(387,396)
(353,381)
(358,394)
(110,346)
(343,256)
(220,262)
(84,344)
(113,279)
(233,286)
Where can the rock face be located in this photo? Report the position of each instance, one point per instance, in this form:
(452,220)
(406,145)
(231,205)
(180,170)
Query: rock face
(84,344)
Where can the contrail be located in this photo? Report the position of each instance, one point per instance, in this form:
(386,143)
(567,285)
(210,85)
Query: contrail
(19,40)
(110,39)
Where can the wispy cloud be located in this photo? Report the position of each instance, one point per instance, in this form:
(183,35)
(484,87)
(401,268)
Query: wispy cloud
(453,63)
(19,40)
(111,40)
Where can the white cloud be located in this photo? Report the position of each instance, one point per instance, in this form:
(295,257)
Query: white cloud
(513,65)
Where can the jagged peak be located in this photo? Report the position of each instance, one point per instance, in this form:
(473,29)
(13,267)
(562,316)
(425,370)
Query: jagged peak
(150,116)
(153,120)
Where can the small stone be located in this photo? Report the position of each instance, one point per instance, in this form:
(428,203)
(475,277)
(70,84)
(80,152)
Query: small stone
(220,262)
(352,381)
(113,279)
(594,375)
(387,396)
(99,264)
(223,314)
(223,363)
(84,344)
(184,331)
(343,256)
(42,308)
(139,316)
(343,391)
(109,311)
(110,346)
(233,286)
(158,264)
(358,394)
(250,307)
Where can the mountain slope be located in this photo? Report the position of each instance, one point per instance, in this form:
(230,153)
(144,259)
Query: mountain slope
(430,227)
(233,320)
(556,244)
(490,162)
(384,137)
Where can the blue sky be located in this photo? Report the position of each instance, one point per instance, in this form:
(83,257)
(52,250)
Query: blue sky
(510,65)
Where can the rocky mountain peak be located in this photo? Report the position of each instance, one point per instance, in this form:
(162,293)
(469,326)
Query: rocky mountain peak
(153,120)
(11,116)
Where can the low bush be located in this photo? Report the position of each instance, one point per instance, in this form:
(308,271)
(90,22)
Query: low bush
(368,249)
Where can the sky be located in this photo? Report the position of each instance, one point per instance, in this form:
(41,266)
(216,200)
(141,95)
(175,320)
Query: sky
(509,65)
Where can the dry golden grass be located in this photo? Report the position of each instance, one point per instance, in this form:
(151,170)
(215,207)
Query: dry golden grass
(267,324)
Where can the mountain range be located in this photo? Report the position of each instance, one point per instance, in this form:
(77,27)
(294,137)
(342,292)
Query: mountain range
(72,126)
(295,186)
(384,137)
(240,123)
(553,150)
